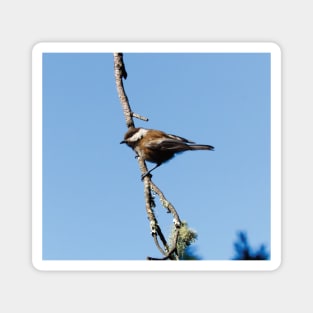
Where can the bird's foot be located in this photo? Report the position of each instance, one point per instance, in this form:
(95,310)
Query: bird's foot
(146,174)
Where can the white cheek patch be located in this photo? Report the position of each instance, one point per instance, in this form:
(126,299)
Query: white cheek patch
(138,135)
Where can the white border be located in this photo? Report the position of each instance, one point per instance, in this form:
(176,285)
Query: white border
(110,47)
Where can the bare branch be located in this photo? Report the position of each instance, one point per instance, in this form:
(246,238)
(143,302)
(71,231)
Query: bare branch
(149,186)
(139,117)
(166,204)
(120,72)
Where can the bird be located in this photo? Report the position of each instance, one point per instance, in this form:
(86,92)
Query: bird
(158,147)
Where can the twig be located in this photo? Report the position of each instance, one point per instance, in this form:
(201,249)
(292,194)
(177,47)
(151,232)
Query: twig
(119,71)
(169,253)
(139,117)
(166,204)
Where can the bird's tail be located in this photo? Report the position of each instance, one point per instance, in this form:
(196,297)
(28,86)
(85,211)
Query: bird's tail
(201,147)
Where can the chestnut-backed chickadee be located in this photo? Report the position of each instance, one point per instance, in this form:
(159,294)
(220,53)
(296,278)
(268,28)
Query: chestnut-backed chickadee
(156,146)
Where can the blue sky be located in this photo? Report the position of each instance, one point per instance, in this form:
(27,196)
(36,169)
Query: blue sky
(93,202)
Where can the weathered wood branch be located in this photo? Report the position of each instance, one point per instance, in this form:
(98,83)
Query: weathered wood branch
(149,186)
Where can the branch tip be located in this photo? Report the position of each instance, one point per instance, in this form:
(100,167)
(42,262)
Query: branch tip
(139,117)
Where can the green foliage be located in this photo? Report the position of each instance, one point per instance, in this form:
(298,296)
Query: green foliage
(186,237)
(245,252)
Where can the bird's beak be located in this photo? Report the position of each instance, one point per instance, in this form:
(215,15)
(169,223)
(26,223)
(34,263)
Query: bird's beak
(123,141)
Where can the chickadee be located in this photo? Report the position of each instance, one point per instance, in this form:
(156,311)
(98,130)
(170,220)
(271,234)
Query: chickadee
(158,147)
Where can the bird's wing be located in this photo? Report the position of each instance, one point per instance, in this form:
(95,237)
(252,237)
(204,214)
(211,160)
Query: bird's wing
(181,139)
(168,144)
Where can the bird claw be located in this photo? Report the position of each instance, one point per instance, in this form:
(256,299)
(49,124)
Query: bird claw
(144,175)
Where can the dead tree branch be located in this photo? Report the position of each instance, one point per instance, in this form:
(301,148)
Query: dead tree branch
(149,186)
(119,71)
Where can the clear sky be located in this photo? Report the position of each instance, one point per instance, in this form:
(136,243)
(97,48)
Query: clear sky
(93,201)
